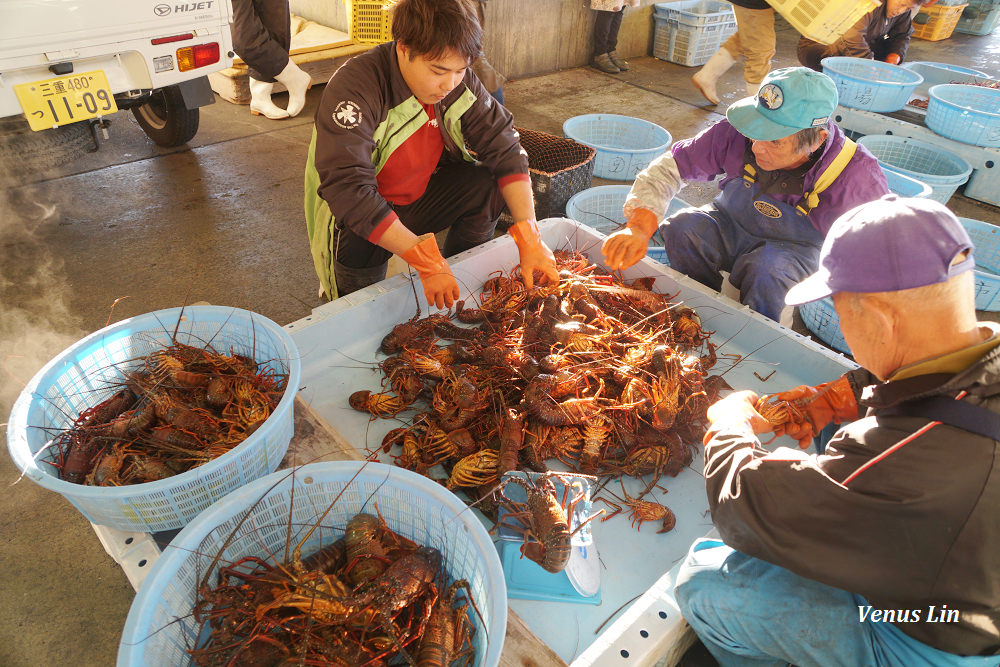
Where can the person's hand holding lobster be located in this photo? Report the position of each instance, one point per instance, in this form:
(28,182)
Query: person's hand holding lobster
(801,413)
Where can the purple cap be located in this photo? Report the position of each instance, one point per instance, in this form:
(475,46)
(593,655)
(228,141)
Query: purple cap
(889,244)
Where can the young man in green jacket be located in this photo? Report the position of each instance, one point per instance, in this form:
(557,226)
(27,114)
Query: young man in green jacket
(390,164)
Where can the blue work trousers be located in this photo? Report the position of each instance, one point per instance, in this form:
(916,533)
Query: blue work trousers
(749,612)
(701,242)
(765,244)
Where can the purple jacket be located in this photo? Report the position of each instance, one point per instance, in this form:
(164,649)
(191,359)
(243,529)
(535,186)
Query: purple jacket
(720,150)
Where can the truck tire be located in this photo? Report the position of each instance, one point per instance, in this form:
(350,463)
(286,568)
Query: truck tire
(24,152)
(165,119)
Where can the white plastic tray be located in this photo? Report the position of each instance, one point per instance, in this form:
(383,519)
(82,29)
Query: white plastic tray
(339,343)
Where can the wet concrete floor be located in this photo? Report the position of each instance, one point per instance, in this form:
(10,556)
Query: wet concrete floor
(220,220)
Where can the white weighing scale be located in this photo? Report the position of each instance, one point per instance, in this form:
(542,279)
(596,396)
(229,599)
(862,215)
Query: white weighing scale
(581,580)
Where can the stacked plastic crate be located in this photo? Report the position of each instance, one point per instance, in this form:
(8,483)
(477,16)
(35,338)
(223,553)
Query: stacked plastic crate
(979,18)
(370,21)
(938,21)
(690,31)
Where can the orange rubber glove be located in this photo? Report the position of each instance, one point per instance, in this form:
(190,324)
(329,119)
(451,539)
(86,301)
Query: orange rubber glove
(830,402)
(535,255)
(440,286)
(893,58)
(627,246)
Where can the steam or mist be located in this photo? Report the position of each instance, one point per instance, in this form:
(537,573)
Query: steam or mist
(35,322)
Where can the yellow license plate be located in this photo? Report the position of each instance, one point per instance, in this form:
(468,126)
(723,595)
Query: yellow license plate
(66,99)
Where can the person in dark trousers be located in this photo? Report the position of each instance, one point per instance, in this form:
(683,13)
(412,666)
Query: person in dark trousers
(606,25)
(261,38)
(391,164)
(881,34)
(884,550)
(788,171)
(490,77)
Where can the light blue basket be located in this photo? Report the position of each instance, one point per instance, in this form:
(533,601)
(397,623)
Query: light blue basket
(624,145)
(979,18)
(941,169)
(986,238)
(601,209)
(695,12)
(935,73)
(821,318)
(159,628)
(92,369)
(689,45)
(987,288)
(906,186)
(970,114)
(688,32)
(871,85)
(658,254)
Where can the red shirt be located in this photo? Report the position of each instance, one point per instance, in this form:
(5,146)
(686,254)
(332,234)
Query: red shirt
(405,174)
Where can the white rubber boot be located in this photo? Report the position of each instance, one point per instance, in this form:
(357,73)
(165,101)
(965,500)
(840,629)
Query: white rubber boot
(752,88)
(260,101)
(297,82)
(704,80)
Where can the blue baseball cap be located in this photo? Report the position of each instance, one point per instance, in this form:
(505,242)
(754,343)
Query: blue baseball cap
(790,99)
(890,244)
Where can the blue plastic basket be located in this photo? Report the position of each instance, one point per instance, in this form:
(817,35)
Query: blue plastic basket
(658,254)
(970,114)
(689,45)
(624,145)
(979,18)
(92,369)
(159,627)
(696,12)
(986,238)
(601,208)
(935,73)
(871,85)
(821,318)
(941,169)
(688,32)
(906,186)
(987,288)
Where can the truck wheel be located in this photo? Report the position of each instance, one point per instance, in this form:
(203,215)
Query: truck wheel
(165,119)
(24,152)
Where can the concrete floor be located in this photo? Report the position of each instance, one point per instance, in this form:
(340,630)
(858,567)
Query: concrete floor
(221,220)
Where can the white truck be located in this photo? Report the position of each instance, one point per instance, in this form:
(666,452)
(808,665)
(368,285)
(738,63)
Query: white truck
(66,65)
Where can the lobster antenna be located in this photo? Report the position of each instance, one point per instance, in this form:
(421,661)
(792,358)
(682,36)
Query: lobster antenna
(111,311)
(180,315)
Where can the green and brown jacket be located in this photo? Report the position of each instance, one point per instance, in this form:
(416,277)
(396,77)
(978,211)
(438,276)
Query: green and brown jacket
(366,113)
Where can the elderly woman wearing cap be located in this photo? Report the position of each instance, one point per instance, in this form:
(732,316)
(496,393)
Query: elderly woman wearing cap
(787,172)
(885,549)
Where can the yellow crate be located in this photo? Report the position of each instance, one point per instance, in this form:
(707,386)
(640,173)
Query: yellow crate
(937,22)
(370,21)
(823,21)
